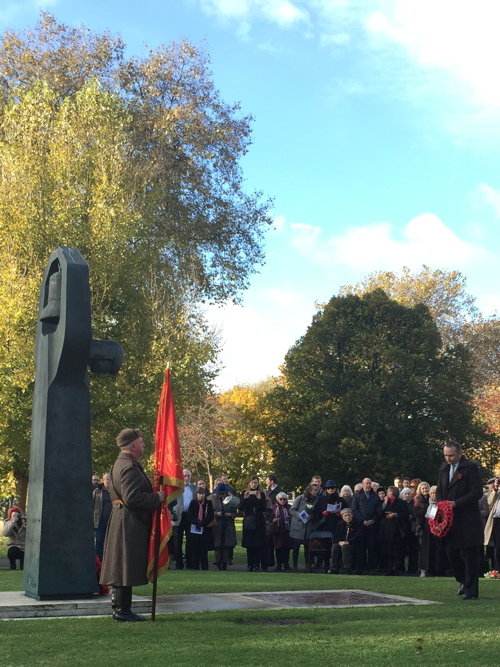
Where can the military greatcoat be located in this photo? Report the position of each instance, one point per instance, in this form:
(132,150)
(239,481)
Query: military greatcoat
(127,537)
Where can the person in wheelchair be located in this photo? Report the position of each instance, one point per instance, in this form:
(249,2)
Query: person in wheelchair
(345,542)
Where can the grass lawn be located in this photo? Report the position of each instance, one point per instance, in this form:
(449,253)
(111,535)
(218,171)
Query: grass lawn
(452,633)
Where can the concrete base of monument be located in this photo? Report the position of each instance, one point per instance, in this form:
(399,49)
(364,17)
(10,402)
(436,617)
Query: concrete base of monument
(17,605)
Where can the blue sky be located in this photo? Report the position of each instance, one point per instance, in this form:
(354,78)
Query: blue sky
(377,132)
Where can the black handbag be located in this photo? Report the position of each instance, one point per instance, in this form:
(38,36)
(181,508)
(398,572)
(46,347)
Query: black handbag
(249,522)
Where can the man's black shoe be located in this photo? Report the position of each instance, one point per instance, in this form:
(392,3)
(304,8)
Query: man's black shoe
(127,617)
(470,597)
(461,590)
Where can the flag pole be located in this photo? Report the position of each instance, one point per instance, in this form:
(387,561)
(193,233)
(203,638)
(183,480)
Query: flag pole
(157,556)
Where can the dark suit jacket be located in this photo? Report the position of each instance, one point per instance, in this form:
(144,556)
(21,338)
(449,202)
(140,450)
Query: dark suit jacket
(466,489)
(272,494)
(366,509)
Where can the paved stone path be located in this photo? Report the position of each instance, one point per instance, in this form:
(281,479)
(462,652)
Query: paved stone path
(16,605)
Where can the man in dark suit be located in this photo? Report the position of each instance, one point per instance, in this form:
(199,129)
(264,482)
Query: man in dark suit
(272,490)
(366,505)
(459,481)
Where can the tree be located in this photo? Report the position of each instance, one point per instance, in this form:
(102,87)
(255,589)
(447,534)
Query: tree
(203,443)
(454,311)
(222,435)
(136,163)
(250,453)
(482,338)
(443,292)
(369,390)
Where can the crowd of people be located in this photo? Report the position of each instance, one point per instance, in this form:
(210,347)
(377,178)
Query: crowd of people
(369,529)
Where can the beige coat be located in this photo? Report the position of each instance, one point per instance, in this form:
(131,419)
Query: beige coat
(15,533)
(127,537)
(493,500)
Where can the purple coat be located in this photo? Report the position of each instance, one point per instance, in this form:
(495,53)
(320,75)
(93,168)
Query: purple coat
(282,539)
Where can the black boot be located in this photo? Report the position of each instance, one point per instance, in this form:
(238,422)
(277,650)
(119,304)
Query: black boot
(122,604)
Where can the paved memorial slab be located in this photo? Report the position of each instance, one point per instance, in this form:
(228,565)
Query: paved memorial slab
(17,605)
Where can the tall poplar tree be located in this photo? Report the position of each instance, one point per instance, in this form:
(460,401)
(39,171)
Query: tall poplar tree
(136,163)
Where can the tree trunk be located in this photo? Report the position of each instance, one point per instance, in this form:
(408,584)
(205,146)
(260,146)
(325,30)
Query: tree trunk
(21,491)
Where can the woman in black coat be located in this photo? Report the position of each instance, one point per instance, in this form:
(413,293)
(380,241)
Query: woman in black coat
(200,515)
(253,506)
(391,531)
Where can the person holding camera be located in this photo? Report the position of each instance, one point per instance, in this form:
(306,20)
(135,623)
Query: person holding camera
(253,505)
(15,530)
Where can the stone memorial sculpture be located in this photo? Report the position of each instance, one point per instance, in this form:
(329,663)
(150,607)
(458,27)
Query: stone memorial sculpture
(60,553)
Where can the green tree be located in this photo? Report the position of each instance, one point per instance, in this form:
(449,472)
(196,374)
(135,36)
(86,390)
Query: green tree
(369,390)
(136,163)
(443,292)
(454,311)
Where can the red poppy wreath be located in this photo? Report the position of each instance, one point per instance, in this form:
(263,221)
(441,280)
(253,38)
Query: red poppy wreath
(441,524)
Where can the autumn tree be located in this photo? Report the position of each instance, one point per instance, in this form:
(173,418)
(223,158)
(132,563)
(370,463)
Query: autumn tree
(443,292)
(223,434)
(135,162)
(250,453)
(204,446)
(369,390)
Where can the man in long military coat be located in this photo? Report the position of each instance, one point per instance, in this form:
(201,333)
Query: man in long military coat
(459,481)
(127,537)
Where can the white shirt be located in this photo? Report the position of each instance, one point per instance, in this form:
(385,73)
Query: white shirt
(187,497)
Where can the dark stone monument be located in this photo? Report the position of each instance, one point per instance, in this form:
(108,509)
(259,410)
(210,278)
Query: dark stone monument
(60,554)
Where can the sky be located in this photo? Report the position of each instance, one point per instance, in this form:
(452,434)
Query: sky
(376,132)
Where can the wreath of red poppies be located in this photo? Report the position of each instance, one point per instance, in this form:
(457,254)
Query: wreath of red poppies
(441,524)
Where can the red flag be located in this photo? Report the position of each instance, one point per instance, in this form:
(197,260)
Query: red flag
(168,465)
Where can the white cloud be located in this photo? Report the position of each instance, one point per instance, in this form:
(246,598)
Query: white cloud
(226,8)
(281,12)
(284,12)
(243,31)
(489,195)
(441,57)
(460,38)
(256,339)
(279,222)
(337,39)
(425,240)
